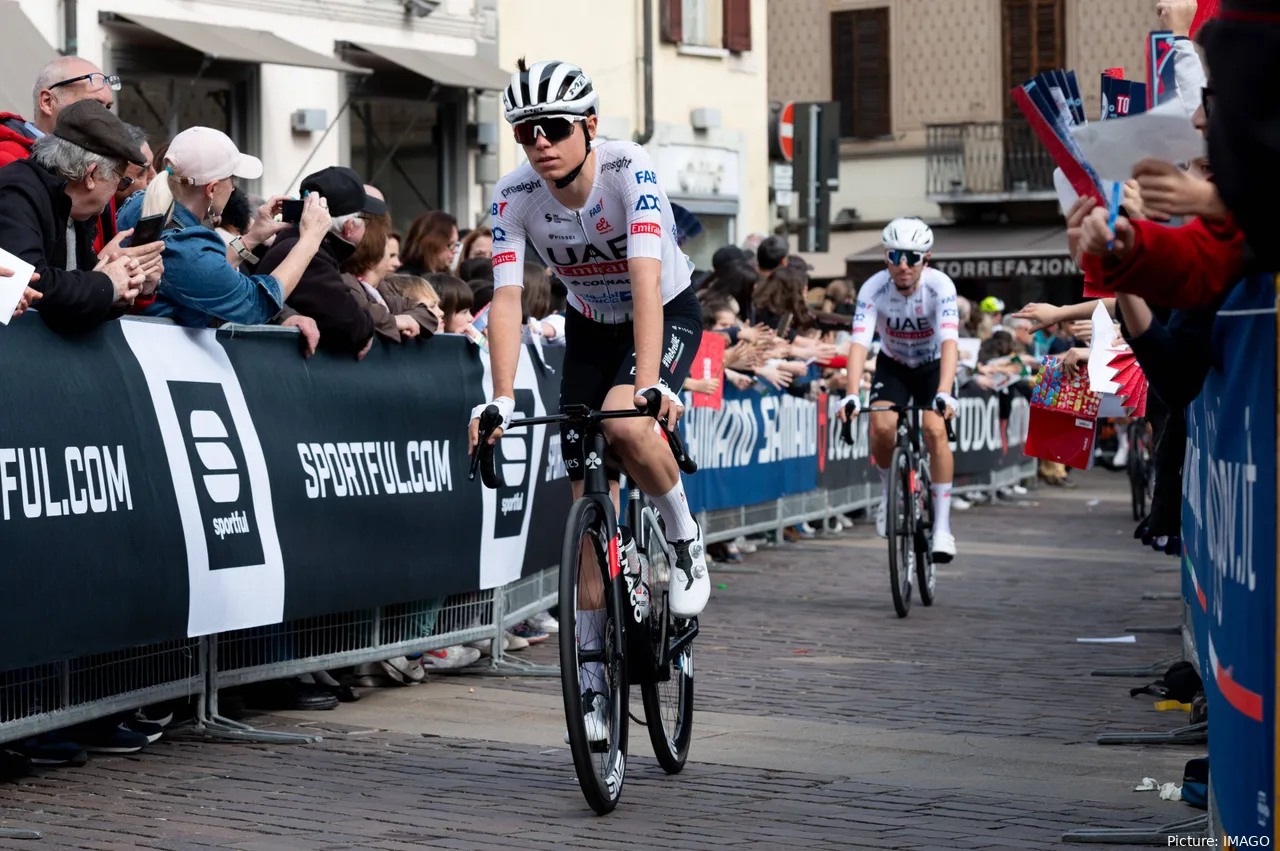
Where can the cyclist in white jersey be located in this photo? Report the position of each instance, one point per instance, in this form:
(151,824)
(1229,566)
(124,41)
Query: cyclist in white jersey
(598,217)
(913,308)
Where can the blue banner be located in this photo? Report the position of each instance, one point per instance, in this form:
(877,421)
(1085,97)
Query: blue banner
(1229,513)
(753,449)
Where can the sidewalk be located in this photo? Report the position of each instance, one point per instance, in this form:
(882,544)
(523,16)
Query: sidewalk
(824,722)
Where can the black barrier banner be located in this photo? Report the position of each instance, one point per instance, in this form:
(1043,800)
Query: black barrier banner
(159,482)
(984,442)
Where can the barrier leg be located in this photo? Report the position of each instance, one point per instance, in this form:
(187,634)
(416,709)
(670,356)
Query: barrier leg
(1176,629)
(499,665)
(1197,826)
(1192,734)
(210,725)
(1155,669)
(1162,595)
(19,833)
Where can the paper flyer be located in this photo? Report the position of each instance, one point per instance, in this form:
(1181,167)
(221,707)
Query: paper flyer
(13,287)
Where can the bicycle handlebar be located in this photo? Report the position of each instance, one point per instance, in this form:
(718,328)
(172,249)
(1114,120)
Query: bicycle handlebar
(482,458)
(846,427)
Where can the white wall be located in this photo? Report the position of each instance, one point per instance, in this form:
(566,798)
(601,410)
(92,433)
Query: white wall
(883,188)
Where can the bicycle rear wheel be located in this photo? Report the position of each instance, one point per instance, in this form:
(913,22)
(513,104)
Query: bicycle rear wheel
(898,527)
(600,763)
(926,572)
(668,694)
(1139,476)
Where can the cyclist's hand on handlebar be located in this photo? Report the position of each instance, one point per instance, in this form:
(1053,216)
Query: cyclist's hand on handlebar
(946,405)
(850,407)
(670,408)
(506,407)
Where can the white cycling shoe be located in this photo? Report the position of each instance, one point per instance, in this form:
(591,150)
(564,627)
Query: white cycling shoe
(944,547)
(882,520)
(595,717)
(690,586)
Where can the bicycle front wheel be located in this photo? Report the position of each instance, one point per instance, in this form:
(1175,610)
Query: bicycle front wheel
(898,527)
(926,572)
(593,673)
(668,695)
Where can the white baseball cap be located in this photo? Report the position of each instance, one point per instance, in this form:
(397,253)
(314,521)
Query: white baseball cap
(203,155)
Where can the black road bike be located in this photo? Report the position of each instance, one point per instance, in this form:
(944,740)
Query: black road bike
(1140,468)
(640,641)
(909,513)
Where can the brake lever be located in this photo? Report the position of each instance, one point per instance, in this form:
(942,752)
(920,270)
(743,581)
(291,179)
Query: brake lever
(482,457)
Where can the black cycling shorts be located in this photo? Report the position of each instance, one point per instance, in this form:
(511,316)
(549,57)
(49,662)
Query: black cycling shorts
(905,385)
(599,357)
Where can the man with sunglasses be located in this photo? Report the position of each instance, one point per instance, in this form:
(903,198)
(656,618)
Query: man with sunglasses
(913,308)
(597,215)
(59,84)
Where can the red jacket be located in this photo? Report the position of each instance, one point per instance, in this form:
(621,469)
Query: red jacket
(15,144)
(1182,268)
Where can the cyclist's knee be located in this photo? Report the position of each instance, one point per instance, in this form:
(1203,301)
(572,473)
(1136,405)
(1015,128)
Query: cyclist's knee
(935,432)
(883,424)
(626,435)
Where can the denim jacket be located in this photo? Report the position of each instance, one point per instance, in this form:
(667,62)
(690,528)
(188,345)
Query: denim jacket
(199,285)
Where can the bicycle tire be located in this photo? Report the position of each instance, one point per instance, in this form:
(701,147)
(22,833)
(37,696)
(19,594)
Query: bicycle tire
(670,733)
(600,774)
(926,572)
(898,530)
(1137,473)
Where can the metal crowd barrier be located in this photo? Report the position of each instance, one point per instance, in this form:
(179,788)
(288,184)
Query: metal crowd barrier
(48,697)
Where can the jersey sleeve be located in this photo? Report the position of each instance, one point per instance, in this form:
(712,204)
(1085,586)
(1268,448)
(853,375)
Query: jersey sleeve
(864,317)
(508,240)
(636,183)
(948,319)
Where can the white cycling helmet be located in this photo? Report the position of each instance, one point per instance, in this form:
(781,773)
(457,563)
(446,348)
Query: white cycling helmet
(549,88)
(907,234)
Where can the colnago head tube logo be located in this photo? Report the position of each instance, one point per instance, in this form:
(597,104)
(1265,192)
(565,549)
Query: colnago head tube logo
(218,469)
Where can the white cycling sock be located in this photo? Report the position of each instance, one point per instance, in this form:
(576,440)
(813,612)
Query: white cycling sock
(674,509)
(942,508)
(591,624)
(884,483)
(1122,440)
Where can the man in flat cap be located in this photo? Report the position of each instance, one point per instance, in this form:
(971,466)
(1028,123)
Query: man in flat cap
(49,204)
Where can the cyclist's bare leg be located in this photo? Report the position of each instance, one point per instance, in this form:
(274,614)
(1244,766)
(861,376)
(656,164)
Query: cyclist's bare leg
(884,426)
(590,585)
(941,470)
(644,453)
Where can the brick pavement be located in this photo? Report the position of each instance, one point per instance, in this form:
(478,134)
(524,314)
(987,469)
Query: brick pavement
(810,637)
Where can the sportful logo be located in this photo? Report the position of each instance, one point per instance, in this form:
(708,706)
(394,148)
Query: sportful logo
(527,186)
(616,165)
(514,458)
(646,177)
(217,459)
(504,257)
(648,202)
(652,228)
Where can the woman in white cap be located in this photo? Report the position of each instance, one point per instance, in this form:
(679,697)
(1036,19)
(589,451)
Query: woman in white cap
(200,284)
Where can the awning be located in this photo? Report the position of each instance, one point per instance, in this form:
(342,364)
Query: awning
(25,53)
(996,251)
(830,264)
(238,44)
(449,69)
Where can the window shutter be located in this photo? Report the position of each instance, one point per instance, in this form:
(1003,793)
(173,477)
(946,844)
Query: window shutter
(672,20)
(737,25)
(860,72)
(1034,41)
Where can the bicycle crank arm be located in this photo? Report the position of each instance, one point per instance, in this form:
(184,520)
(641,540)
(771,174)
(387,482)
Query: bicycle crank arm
(689,634)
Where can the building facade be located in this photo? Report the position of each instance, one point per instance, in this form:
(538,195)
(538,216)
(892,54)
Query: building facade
(927,125)
(706,123)
(390,87)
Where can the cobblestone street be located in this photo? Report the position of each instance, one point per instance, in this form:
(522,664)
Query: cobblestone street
(824,722)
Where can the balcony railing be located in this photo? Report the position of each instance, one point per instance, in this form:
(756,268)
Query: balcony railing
(987,161)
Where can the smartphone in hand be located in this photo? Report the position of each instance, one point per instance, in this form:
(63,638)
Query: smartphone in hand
(291,211)
(147,230)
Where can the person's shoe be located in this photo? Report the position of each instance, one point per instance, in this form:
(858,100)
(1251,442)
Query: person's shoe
(944,547)
(529,633)
(51,750)
(485,645)
(690,585)
(959,503)
(13,765)
(511,641)
(110,738)
(153,731)
(403,670)
(595,716)
(1121,459)
(544,622)
(450,658)
(1019,490)
(882,520)
(745,546)
(311,697)
(161,714)
(344,693)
